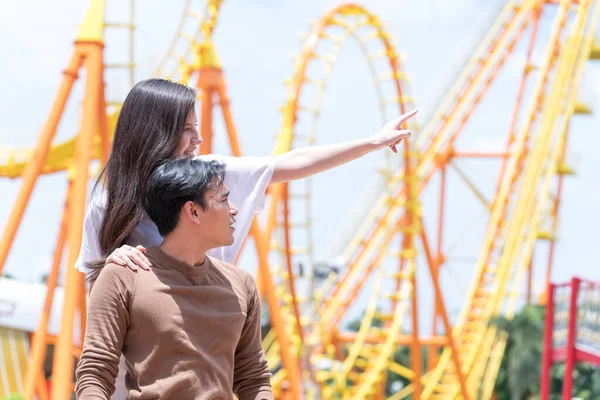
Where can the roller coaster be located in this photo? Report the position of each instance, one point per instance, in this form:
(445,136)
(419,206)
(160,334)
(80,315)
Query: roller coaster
(382,248)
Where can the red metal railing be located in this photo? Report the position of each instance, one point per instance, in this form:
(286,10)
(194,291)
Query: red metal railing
(572,330)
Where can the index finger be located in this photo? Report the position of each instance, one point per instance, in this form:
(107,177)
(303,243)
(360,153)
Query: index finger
(405,116)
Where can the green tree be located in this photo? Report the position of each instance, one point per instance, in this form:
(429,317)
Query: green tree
(520,371)
(523,355)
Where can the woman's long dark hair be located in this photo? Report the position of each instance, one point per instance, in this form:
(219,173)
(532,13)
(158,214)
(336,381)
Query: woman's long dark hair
(152,119)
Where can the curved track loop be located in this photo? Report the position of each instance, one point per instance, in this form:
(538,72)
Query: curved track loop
(60,157)
(364,253)
(300,124)
(435,143)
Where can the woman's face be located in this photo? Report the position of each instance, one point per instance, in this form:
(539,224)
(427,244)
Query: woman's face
(190,138)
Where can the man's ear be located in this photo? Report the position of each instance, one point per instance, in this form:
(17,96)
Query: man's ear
(191,210)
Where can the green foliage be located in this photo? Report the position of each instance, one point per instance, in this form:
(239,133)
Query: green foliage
(520,372)
(13,396)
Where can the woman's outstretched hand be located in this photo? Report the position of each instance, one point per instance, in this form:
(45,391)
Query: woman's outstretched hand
(392,133)
(130,257)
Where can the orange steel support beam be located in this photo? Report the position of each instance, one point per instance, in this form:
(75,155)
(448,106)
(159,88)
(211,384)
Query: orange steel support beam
(467,154)
(535,17)
(226,110)
(445,319)
(289,360)
(288,255)
(438,261)
(63,360)
(34,167)
(103,124)
(206,83)
(416,356)
(41,388)
(349,337)
(40,338)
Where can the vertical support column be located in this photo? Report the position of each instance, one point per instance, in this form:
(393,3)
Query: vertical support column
(39,342)
(82,310)
(416,356)
(548,344)
(34,167)
(432,356)
(63,357)
(571,333)
(41,387)
(206,130)
(288,259)
(103,124)
(529,279)
(445,320)
(289,360)
(207,83)
(231,131)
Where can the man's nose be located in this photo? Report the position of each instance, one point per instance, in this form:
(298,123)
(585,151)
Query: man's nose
(233,209)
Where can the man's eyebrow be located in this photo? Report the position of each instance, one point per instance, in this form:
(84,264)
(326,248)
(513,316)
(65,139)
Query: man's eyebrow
(226,194)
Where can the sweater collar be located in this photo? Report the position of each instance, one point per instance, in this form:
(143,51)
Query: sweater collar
(184,268)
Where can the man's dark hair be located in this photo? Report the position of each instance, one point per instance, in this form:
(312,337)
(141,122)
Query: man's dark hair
(175,182)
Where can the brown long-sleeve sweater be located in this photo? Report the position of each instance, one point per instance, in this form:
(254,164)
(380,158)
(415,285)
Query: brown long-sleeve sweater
(186,332)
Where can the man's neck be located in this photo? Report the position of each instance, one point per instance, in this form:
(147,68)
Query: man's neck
(176,246)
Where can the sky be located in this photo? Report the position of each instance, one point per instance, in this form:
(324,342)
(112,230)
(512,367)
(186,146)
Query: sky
(255,42)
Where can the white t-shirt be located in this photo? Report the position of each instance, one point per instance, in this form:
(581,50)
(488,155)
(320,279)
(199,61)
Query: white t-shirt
(246,178)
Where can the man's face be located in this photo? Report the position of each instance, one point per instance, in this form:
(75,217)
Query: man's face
(216,220)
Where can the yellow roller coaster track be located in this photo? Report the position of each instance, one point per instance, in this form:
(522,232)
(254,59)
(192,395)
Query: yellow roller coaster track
(482,344)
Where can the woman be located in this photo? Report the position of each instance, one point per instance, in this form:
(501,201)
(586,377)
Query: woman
(158,121)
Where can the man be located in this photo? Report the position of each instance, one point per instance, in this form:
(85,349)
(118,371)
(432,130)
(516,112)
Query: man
(191,327)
